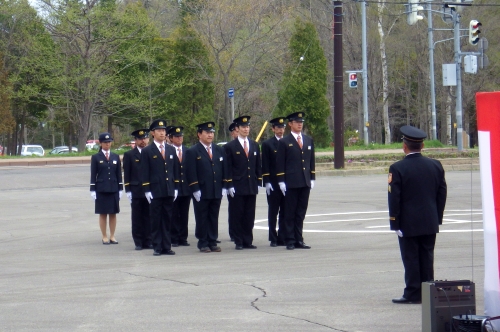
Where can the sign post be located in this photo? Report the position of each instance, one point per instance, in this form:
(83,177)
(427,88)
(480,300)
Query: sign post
(230,94)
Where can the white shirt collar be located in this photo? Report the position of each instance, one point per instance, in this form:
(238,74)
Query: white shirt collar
(242,141)
(295,135)
(278,138)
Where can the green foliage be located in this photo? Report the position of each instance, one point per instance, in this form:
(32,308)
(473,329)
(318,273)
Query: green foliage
(304,83)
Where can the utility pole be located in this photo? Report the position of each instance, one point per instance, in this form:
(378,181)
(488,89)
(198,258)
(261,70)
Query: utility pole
(431,70)
(458,57)
(338,85)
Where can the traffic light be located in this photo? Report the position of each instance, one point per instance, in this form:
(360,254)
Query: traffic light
(474,32)
(412,10)
(353,80)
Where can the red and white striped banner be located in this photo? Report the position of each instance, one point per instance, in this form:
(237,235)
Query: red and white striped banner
(488,124)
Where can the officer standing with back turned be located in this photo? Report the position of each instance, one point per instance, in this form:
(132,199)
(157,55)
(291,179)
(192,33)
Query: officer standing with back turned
(417,197)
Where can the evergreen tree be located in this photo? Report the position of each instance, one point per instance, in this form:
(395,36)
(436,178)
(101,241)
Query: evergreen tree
(304,83)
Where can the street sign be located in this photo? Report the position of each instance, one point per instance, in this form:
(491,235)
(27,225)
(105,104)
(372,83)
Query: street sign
(230,92)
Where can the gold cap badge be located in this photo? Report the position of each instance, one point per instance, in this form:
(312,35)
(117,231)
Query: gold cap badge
(209,125)
(244,120)
(160,123)
(141,132)
(107,136)
(281,121)
(177,130)
(300,115)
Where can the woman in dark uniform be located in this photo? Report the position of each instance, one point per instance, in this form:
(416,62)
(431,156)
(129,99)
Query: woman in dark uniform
(106,186)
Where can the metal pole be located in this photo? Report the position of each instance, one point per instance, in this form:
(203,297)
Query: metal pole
(458,57)
(232,107)
(366,120)
(431,66)
(338,86)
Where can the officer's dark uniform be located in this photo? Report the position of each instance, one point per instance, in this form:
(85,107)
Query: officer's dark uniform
(180,215)
(275,200)
(245,176)
(417,197)
(231,128)
(106,179)
(296,168)
(160,177)
(206,175)
(141,225)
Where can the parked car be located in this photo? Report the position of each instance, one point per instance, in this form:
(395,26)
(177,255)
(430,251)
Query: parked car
(92,146)
(58,149)
(32,150)
(62,151)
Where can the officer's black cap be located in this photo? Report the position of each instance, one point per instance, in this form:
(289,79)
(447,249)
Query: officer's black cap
(413,134)
(175,131)
(140,133)
(242,121)
(207,126)
(232,126)
(278,122)
(105,137)
(158,124)
(297,116)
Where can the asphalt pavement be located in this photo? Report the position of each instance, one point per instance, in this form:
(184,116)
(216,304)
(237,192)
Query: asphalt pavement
(55,275)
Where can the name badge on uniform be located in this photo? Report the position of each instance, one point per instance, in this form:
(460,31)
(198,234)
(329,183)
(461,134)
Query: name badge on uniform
(137,160)
(290,144)
(237,152)
(198,157)
(171,157)
(100,161)
(254,153)
(221,159)
(114,162)
(155,156)
(309,147)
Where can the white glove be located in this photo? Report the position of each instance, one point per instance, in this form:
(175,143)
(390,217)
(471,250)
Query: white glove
(93,195)
(312,184)
(120,194)
(399,233)
(129,196)
(197,195)
(269,187)
(176,192)
(149,196)
(224,192)
(231,191)
(282,187)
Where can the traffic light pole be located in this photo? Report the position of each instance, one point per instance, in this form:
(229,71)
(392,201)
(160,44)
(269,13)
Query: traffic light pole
(458,63)
(431,70)
(364,74)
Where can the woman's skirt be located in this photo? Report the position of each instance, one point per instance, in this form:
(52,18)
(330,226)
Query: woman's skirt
(107,203)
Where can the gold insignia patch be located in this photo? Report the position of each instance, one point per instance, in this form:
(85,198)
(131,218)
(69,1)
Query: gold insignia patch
(281,121)
(389,179)
(177,130)
(107,136)
(300,115)
(141,132)
(209,125)
(244,120)
(160,123)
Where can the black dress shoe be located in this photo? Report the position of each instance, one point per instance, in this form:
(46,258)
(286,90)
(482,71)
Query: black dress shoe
(215,249)
(217,241)
(280,243)
(205,249)
(238,247)
(175,244)
(157,252)
(184,244)
(168,252)
(138,247)
(403,300)
(273,244)
(290,247)
(301,245)
(113,242)
(250,246)
(148,246)
(104,242)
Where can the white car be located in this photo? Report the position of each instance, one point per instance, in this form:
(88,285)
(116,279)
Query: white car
(32,150)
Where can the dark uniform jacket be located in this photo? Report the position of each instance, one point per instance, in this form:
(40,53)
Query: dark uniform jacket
(295,166)
(183,185)
(132,173)
(105,176)
(417,195)
(208,176)
(244,174)
(269,152)
(160,177)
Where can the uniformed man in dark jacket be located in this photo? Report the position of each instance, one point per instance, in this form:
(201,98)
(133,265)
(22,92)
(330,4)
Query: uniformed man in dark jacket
(160,181)
(244,179)
(417,197)
(295,167)
(275,198)
(141,225)
(180,215)
(206,176)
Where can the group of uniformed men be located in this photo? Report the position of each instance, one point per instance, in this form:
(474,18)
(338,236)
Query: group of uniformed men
(162,177)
